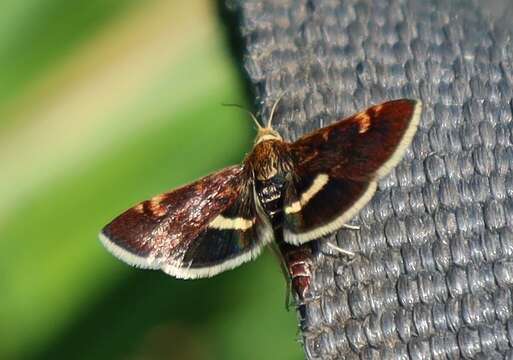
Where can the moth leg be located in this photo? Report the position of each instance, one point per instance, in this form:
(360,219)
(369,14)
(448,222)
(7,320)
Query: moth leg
(340,250)
(351,227)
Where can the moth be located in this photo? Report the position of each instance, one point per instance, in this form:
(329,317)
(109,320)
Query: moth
(286,193)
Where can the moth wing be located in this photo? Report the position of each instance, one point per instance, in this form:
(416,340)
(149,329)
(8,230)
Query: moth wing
(337,167)
(196,231)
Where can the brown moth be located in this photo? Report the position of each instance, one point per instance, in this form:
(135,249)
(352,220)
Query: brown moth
(287,193)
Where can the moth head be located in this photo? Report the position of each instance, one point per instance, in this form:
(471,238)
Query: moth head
(267,132)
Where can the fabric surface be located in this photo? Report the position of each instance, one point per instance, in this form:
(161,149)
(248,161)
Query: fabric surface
(434,273)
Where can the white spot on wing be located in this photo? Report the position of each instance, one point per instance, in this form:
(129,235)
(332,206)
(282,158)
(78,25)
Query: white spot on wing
(364,122)
(318,183)
(156,207)
(293,208)
(223,223)
(300,238)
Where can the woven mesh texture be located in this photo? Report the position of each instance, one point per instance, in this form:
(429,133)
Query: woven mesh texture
(434,273)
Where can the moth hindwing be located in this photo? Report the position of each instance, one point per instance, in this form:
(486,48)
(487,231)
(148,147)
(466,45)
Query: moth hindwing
(303,190)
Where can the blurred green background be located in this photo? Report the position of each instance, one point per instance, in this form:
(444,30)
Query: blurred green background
(104,103)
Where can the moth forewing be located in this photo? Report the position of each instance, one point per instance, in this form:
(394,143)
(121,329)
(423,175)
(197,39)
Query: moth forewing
(338,166)
(198,230)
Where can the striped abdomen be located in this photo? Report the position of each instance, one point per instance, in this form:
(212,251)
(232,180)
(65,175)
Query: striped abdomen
(297,259)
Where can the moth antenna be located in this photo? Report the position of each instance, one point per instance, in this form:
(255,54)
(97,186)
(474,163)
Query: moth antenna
(246,110)
(274,107)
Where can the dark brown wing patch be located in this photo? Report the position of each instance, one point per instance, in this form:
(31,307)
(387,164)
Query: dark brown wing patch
(362,147)
(330,208)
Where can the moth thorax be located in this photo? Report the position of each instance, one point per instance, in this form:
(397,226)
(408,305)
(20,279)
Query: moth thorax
(269,159)
(267,169)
